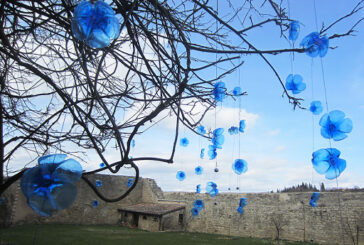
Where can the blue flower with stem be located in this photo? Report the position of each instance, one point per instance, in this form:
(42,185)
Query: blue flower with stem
(294,29)
(130,182)
(335,126)
(295,83)
(242,126)
(240,166)
(315,45)
(202,153)
(233,130)
(201,130)
(184,142)
(199,204)
(50,185)
(98,183)
(198,170)
(327,161)
(237,91)
(95,24)
(316,107)
(314,198)
(181,175)
(219,91)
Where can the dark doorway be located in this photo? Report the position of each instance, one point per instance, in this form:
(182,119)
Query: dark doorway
(135,220)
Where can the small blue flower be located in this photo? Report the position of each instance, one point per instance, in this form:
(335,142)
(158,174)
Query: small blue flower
(181,175)
(201,130)
(242,126)
(199,204)
(198,188)
(237,91)
(240,210)
(133,143)
(233,130)
(218,138)
(98,183)
(294,29)
(240,166)
(198,170)
(94,203)
(202,153)
(219,91)
(95,24)
(212,152)
(335,126)
(130,182)
(102,165)
(295,83)
(194,212)
(50,185)
(315,45)
(316,107)
(184,142)
(211,189)
(314,198)
(327,161)
(243,202)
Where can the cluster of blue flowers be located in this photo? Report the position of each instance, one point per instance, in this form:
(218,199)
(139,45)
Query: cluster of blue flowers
(198,206)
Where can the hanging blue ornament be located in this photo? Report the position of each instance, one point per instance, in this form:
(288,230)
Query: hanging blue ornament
(327,161)
(240,166)
(295,83)
(335,126)
(294,29)
(315,45)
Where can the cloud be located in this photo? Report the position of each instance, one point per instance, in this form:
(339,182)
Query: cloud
(274,132)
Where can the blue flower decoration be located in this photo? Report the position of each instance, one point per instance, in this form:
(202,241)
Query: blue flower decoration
(102,165)
(212,152)
(242,126)
(184,142)
(199,204)
(181,175)
(211,189)
(316,107)
(327,161)
(50,185)
(295,83)
(237,91)
(314,198)
(194,212)
(233,130)
(94,203)
(315,45)
(198,170)
(240,210)
(201,130)
(294,29)
(218,138)
(219,91)
(98,183)
(198,188)
(335,126)
(240,166)
(95,24)
(242,203)
(130,182)
(202,153)
(133,143)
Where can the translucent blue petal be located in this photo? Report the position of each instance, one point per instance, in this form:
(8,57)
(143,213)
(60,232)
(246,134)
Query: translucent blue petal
(237,91)
(102,165)
(240,210)
(294,28)
(212,152)
(132,143)
(336,116)
(240,166)
(346,125)
(337,135)
(299,88)
(325,120)
(233,130)
(83,9)
(194,212)
(202,153)
(316,107)
(313,203)
(219,91)
(199,204)
(30,181)
(218,141)
(130,182)
(199,170)
(242,126)
(40,203)
(218,132)
(315,196)
(181,175)
(198,188)
(297,79)
(53,158)
(63,195)
(69,170)
(334,152)
(98,39)
(211,189)
(184,142)
(98,183)
(201,130)
(341,165)
(332,173)
(243,202)
(321,167)
(289,82)
(326,133)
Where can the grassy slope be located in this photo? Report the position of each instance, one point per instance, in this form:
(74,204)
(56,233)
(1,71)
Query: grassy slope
(107,235)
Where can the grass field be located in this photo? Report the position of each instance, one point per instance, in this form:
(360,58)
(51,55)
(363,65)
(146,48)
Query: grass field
(112,235)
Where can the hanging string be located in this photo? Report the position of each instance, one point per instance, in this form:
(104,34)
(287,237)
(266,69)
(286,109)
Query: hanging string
(216,22)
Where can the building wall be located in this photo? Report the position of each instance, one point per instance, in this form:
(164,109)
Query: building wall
(287,212)
(149,222)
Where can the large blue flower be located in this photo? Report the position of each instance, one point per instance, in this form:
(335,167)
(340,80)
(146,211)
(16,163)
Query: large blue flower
(219,91)
(184,142)
(212,152)
(50,186)
(295,83)
(181,175)
(233,130)
(240,166)
(199,204)
(198,170)
(315,45)
(201,130)
(242,126)
(218,138)
(316,107)
(211,189)
(294,30)
(327,161)
(335,126)
(95,24)
(314,198)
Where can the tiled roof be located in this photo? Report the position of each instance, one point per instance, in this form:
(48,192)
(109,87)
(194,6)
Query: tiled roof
(157,209)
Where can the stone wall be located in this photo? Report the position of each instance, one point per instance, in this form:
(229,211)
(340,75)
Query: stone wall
(287,213)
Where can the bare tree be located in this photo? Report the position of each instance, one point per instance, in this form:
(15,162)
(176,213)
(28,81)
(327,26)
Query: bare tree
(58,94)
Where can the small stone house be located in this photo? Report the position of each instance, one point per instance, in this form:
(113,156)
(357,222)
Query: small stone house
(154,216)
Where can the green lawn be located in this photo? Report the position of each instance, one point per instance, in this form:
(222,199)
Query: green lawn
(107,235)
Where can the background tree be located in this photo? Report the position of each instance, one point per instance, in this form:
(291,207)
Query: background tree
(59,95)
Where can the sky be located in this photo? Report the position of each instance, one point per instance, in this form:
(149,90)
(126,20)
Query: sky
(278,141)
